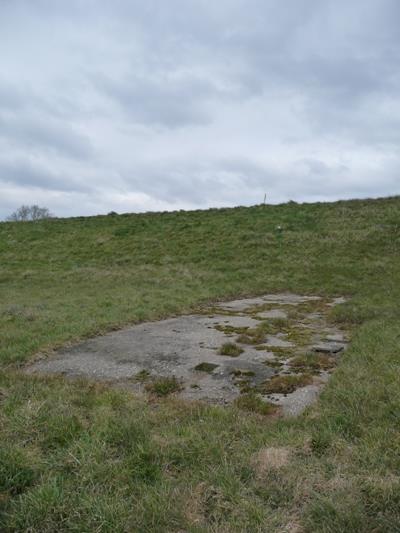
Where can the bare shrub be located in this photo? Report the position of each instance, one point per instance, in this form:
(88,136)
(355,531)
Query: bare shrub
(29,212)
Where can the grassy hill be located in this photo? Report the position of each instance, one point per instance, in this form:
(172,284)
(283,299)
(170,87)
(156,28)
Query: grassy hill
(83,457)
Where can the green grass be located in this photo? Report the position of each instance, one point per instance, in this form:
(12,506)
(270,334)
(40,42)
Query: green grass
(163,386)
(142,376)
(230,349)
(80,457)
(206,367)
(253,403)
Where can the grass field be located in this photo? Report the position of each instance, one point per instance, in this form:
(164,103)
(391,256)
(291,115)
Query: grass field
(82,457)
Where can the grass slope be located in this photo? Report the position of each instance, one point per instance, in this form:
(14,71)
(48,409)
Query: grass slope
(81,457)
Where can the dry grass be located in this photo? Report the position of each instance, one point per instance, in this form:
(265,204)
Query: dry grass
(285,384)
(268,459)
(164,386)
(230,349)
(253,403)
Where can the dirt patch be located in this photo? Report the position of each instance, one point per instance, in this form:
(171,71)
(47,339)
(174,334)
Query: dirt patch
(234,348)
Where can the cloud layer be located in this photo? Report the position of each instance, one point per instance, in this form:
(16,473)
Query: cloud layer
(133,106)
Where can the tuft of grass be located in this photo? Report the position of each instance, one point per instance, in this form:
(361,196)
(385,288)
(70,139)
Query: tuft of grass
(230,349)
(16,471)
(285,384)
(206,367)
(164,386)
(299,336)
(142,376)
(253,403)
(282,353)
(282,324)
(257,335)
(251,337)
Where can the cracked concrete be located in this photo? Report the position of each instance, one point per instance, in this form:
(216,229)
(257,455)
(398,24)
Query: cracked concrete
(176,346)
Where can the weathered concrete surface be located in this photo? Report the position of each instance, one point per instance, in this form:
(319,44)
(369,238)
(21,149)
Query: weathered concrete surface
(283,299)
(273,313)
(294,404)
(175,347)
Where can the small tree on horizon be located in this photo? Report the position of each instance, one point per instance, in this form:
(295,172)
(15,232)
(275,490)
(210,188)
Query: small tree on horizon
(29,212)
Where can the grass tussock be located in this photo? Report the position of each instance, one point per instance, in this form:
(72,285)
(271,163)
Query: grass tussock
(253,403)
(163,386)
(142,376)
(230,349)
(285,384)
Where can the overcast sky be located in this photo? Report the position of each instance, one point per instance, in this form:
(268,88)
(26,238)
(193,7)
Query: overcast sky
(132,105)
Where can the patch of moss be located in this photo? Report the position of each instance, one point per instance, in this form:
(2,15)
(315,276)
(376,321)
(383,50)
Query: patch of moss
(283,353)
(273,363)
(164,386)
(142,376)
(281,323)
(230,349)
(241,372)
(267,327)
(313,306)
(299,336)
(243,382)
(231,329)
(312,362)
(206,367)
(244,386)
(252,402)
(259,308)
(219,311)
(252,336)
(285,384)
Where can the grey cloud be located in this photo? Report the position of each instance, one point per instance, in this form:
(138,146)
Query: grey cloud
(241,181)
(44,134)
(233,180)
(10,97)
(22,172)
(192,102)
(163,101)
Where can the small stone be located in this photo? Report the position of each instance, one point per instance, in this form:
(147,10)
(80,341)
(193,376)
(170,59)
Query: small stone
(328,348)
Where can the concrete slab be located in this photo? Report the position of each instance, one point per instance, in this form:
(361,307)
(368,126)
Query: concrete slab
(177,346)
(274,313)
